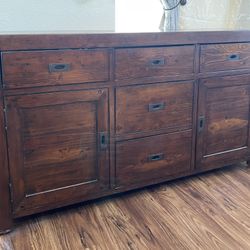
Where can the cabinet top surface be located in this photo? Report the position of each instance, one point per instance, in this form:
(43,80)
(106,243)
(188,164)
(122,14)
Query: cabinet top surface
(119,16)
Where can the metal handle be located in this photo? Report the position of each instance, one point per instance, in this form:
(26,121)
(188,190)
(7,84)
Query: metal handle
(156,106)
(103,140)
(233,57)
(59,67)
(201,123)
(156,157)
(157,62)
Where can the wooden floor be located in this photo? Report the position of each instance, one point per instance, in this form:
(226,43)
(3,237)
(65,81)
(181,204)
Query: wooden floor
(210,211)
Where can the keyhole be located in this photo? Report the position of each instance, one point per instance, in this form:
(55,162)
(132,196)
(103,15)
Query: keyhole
(201,123)
(103,139)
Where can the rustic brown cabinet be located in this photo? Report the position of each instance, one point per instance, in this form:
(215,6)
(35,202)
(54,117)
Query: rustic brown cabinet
(85,116)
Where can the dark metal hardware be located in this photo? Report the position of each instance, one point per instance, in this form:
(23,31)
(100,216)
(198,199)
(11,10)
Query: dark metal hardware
(156,157)
(156,106)
(201,123)
(103,140)
(234,57)
(157,62)
(59,67)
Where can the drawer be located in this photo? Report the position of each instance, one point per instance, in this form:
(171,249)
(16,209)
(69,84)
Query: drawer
(42,68)
(145,108)
(154,62)
(152,158)
(222,57)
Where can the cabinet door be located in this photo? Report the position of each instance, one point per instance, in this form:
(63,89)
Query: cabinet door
(223,121)
(58,152)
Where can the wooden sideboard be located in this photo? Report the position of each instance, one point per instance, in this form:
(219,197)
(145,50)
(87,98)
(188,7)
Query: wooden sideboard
(85,116)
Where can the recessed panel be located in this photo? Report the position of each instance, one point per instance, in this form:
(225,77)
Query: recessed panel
(227,118)
(59,146)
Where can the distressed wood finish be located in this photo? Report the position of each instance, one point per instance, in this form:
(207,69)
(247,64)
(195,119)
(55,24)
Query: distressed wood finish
(222,57)
(206,212)
(148,62)
(31,69)
(224,104)
(65,41)
(154,107)
(54,147)
(147,159)
(5,198)
(115,101)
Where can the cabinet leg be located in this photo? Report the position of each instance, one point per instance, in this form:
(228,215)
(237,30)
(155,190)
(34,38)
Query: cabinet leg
(6,222)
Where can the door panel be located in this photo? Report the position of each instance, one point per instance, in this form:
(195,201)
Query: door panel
(54,146)
(223,124)
(227,118)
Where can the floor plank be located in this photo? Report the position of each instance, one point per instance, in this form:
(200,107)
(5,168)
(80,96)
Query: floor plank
(210,211)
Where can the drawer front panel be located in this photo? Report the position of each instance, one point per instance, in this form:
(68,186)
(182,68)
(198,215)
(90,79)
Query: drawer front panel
(154,62)
(154,107)
(44,68)
(222,57)
(152,158)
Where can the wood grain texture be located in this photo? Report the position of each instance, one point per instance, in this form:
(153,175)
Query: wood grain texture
(54,146)
(133,114)
(31,69)
(62,41)
(148,62)
(222,57)
(224,137)
(51,137)
(211,211)
(5,199)
(150,158)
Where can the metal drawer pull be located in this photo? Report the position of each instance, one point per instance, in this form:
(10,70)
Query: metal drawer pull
(156,106)
(156,157)
(234,57)
(59,67)
(103,140)
(157,62)
(201,123)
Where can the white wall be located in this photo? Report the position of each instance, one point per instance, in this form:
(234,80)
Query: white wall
(56,15)
(138,15)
